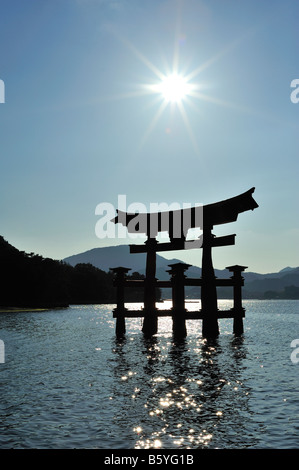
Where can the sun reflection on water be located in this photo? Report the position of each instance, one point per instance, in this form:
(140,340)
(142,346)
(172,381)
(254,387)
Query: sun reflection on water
(184,394)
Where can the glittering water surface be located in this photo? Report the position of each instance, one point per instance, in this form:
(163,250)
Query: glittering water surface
(68,383)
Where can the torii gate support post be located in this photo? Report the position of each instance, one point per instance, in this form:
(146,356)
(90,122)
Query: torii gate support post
(209,307)
(119,282)
(178,299)
(150,323)
(238,282)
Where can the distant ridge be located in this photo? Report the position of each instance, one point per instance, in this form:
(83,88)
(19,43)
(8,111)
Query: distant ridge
(256,285)
(284,270)
(112,256)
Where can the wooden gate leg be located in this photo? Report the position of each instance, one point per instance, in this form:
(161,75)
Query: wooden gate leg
(178,299)
(239,312)
(210,327)
(120,310)
(150,323)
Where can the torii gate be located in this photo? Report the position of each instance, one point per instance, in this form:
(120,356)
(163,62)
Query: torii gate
(179,222)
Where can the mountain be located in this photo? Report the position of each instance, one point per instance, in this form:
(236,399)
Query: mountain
(275,282)
(275,285)
(113,256)
(287,269)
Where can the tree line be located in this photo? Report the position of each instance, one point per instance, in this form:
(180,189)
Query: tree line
(29,280)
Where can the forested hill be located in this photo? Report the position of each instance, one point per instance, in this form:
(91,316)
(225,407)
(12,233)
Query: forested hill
(29,280)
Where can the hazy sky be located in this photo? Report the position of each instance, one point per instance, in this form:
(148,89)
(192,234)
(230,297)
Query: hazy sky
(79,127)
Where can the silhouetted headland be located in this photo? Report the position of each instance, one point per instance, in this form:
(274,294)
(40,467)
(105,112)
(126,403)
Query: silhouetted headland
(31,281)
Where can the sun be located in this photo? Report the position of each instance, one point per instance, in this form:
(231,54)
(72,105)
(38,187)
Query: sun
(177,88)
(173,88)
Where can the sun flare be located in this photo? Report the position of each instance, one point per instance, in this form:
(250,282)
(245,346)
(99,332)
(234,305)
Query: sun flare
(174,88)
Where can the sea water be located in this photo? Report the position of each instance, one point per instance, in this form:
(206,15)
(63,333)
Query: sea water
(67,382)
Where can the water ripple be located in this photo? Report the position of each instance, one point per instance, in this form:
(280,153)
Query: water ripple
(68,383)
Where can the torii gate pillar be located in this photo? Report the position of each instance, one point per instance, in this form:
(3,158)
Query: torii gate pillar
(238,282)
(177,272)
(210,327)
(150,323)
(119,282)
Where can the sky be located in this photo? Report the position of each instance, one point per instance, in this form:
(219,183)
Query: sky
(84,120)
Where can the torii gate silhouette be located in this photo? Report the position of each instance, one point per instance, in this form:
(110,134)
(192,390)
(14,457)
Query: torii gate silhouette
(177,223)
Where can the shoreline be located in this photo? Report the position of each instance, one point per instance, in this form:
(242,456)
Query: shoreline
(30,309)
(20,309)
